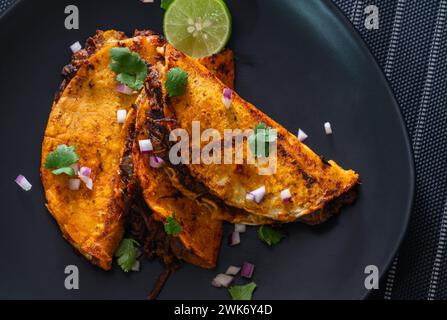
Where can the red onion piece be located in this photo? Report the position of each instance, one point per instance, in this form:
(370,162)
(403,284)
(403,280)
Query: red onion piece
(74,184)
(121,116)
(227,97)
(122,88)
(232,270)
(75,47)
(145,146)
(89,184)
(156,162)
(234,239)
(222,280)
(23,182)
(87,180)
(241,228)
(328,128)
(286,196)
(302,135)
(247,270)
(215,283)
(256,195)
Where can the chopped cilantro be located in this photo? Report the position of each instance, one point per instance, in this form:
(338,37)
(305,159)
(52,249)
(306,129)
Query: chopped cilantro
(61,159)
(165,4)
(67,170)
(131,70)
(244,292)
(269,235)
(176,82)
(262,134)
(172,227)
(127,254)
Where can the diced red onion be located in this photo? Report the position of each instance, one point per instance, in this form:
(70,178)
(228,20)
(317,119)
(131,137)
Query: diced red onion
(75,167)
(122,88)
(232,270)
(222,280)
(302,135)
(216,283)
(227,97)
(156,162)
(286,196)
(136,266)
(75,47)
(234,238)
(328,128)
(87,180)
(89,183)
(145,146)
(241,228)
(74,184)
(247,270)
(85,171)
(121,116)
(23,183)
(256,195)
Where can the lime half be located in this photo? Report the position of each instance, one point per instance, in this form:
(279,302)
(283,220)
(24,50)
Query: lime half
(198,28)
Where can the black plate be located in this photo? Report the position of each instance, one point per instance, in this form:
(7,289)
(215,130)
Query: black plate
(300,62)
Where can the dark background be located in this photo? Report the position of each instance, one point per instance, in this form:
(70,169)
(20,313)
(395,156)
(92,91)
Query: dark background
(410,46)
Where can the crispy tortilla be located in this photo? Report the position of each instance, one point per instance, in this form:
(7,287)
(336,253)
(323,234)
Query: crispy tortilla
(313,182)
(85,116)
(200,234)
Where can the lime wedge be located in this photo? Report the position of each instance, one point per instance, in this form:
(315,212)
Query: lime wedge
(198,28)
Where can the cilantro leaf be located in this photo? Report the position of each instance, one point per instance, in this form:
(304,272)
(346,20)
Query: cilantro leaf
(244,292)
(269,235)
(262,134)
(172,227)
(165,4)
(127,254)
(131,70)
(61,159)
(176,82)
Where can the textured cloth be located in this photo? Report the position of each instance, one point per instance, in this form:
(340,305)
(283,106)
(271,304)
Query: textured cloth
(410,45)
(4,4)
